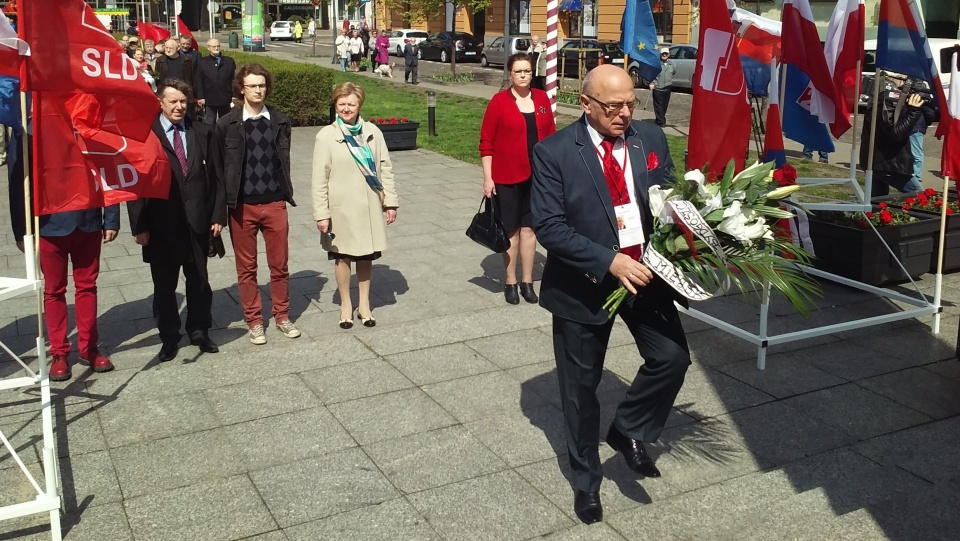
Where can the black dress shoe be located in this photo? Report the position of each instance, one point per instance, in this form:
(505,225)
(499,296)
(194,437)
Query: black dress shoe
(587,506)
(526,291)
(633,452)
(169,351)
(205,344)
(510,294)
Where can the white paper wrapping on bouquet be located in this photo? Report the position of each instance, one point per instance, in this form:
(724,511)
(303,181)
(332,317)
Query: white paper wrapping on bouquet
(686,213)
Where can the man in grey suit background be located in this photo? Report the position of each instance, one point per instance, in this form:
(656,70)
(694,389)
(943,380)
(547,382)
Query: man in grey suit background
(591,212)
(410,61)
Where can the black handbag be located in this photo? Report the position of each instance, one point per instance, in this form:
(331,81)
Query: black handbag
(486,229)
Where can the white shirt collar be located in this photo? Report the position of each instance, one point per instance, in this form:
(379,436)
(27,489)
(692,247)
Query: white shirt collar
(596,138)
(265,113)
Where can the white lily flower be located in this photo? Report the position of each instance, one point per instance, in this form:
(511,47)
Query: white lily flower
(697,176)
(733,210)
(746,226)
(658,196)
(783,191)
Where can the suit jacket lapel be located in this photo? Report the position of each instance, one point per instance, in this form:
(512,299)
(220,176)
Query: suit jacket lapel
(588,153)
(638,163)
(194,155)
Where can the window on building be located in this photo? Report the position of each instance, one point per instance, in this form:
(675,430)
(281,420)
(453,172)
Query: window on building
(663,19)
(519,17)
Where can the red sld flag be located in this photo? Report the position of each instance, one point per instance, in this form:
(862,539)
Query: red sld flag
(73,52)
(78,168)
(184,31)
(154,33)
(720,119)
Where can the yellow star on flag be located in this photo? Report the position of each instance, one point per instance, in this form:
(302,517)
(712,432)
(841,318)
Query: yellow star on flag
(641,46)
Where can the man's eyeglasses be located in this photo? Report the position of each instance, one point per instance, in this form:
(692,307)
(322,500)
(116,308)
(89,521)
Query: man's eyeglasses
(614,108)
(255,87)
(522,72)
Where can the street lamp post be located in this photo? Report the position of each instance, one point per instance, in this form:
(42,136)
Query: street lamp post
(432,113)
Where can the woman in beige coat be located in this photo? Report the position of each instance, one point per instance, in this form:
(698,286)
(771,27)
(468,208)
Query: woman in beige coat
(354,197)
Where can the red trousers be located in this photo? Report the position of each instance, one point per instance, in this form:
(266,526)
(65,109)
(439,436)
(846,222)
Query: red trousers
(245,222)
(83,252)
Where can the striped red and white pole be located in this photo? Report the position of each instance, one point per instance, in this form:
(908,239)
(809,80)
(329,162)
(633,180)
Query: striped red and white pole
(553,14)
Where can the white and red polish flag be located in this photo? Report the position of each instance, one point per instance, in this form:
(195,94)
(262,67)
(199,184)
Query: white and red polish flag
(951,115)
(843,49)
(11,49)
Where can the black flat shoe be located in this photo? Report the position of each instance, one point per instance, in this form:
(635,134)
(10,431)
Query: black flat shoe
(633,452)
(346,324)
(526,291)
(368,322)
(587,506)
(205,344)
(168,351)
(510,294)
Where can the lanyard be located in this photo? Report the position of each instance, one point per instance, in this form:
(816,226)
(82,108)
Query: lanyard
(623,171)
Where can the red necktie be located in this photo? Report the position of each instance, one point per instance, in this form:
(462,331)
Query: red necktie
(616,183)
(178,149)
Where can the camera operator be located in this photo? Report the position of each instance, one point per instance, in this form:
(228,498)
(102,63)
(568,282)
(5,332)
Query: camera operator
(892,157)
(931,114)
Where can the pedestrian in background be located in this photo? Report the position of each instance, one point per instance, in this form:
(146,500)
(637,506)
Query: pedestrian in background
(410,61)
(298,32)
(822,154)
(930,114)
(383,49)
(251,153)
(174,64)
(355,46)
(506,167)
(150,53)
(214,78)
(354,197)
(186,49)
(342,49)
(538,53)
(892,158)
(311,28)
(661,87)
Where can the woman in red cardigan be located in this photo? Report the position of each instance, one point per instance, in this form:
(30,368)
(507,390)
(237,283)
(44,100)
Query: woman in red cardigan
(515,120)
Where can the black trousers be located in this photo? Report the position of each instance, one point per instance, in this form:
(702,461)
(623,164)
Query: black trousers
(661,99)
(580,350)
(408,71)
(166,310)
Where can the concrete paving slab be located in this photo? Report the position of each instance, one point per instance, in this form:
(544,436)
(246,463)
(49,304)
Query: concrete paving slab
(911,449)
(258,399)
(221,509)
(497,507)
(922,390)
(388,521)
(129,419)
(432,459)
(442,363)
(391,415)
(709,393)
(89,480)
(319,487)
(484,395)
(515,349)
(355,380)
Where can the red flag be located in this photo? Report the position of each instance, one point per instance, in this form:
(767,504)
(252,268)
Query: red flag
(72,51)
(154,33)
(720,119)
(184,31)
(950,115)
(11,49)
(843,49)
(76,168)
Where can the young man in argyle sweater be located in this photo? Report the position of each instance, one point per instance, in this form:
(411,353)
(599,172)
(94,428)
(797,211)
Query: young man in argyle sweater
(252,155)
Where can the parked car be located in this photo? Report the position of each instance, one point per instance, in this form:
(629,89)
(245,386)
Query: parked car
(399,38)
(608,52)
(503,48)
(684,59)
(281,30)
(440,47)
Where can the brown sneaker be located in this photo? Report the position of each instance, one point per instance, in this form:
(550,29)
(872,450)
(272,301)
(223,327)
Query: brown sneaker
(59,368)
(98,362)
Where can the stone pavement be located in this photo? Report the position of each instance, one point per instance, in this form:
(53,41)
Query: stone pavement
(442,423)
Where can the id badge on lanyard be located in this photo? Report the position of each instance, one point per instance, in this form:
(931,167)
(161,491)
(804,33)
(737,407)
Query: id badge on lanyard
(629,222)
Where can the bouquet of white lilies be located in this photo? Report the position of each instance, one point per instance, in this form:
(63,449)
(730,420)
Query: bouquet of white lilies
(707,235)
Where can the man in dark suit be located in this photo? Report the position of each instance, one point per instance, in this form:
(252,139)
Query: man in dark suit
(410,61)
(591,212)
(214,80)
(177,232)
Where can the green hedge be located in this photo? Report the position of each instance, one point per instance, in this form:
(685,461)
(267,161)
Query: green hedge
(302,91)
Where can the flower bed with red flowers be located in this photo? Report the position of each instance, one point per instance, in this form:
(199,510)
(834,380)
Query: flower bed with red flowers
(884,215)
(391,120)
(929,200)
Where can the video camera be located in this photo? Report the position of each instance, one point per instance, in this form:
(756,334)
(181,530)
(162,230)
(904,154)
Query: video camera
(918,87)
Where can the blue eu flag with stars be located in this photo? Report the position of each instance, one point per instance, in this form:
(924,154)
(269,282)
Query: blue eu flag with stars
(639,38)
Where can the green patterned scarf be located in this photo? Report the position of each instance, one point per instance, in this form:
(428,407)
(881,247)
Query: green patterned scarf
(362,154)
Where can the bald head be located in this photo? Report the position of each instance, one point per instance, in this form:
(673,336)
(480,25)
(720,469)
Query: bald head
(608,99)
(170,48)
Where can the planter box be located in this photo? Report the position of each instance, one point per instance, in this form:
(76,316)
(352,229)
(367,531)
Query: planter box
(951,252)
(859,255)
(400,136)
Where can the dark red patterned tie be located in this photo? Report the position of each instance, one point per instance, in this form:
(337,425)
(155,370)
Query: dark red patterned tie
(616,183)
(178,148)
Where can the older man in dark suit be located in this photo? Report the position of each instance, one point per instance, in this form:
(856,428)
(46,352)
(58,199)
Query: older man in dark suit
(214,80)
(177,232)
(410,61)
(591,212)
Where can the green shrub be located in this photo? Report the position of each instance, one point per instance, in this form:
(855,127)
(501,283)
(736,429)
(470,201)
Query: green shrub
(302,91)
(267,19)
(295,18)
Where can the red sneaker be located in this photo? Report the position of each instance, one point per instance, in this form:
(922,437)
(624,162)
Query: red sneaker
(98,362)
(59,368)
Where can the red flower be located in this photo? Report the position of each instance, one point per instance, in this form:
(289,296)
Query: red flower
(883,205)
(785,176)
(929,192)
(886,217)
(393,120)
(404,119)
(939,203)
(911,200)
(923,200)
(869,214)
(907,207)
(949,210)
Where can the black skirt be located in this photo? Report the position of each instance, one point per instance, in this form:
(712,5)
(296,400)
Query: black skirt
(513,204)
(334,256)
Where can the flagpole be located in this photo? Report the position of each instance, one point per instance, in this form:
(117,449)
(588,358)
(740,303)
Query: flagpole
(853,149)
(938,284)
(783,91)
(878,81)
